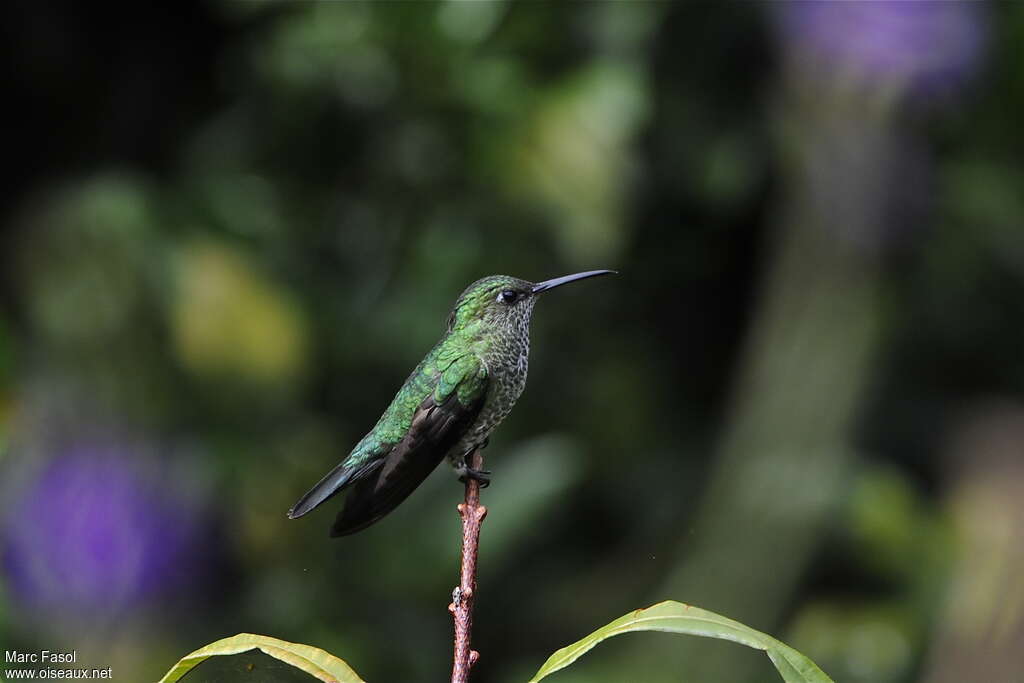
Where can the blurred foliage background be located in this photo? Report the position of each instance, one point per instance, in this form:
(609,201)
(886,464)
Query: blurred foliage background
(232,228)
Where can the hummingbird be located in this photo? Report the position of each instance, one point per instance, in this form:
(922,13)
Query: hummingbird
(448,406)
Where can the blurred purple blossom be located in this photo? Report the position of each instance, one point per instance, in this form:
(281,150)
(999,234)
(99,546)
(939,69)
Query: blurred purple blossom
(928,48)
(93,530)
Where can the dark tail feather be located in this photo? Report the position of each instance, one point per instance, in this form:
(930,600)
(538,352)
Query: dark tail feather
(329,486)
(376,495)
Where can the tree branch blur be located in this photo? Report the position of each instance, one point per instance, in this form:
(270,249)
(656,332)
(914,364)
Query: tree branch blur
(464,595)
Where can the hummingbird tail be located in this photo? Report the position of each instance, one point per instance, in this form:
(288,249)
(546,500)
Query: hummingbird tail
(330,485)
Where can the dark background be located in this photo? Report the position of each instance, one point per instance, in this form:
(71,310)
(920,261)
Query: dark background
(231,229)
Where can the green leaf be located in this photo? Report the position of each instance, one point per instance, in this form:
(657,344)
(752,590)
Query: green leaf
(675,617)
(314,661)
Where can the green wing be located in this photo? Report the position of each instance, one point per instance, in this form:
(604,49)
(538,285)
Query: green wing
(436,426)
(465,379)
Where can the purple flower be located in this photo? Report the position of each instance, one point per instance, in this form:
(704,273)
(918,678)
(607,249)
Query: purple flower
(929,48)
(93,530)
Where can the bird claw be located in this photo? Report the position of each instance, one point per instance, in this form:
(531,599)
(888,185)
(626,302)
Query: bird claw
(466,473)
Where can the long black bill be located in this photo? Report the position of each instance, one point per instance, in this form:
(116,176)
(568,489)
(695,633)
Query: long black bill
(559,281)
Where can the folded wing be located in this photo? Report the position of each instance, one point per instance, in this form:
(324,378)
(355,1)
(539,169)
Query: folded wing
(438,424)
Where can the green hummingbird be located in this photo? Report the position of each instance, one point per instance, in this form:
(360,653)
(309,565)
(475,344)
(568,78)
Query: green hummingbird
(449,405)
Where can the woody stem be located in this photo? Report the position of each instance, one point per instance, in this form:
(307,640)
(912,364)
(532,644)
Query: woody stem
(463,597)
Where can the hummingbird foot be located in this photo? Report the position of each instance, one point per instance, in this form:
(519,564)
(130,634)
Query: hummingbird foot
(466,473)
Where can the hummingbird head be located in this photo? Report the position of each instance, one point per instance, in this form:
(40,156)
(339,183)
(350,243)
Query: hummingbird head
(504,303)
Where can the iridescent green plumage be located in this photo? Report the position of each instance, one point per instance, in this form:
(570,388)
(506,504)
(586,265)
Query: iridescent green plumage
(449,405)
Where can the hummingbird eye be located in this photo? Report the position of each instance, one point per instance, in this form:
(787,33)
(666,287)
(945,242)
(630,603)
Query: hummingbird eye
(508,296)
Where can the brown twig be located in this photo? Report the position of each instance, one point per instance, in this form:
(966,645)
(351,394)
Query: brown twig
(472,514)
